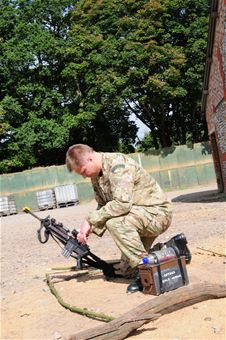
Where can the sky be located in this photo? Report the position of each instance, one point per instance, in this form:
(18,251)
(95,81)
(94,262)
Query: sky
(142,127)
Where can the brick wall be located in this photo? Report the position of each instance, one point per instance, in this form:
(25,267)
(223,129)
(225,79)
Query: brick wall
(216,99)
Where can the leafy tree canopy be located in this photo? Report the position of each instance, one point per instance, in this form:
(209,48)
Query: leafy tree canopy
(73,71)
(146,57)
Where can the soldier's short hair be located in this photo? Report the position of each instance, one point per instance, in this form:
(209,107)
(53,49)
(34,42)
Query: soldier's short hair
(75,155)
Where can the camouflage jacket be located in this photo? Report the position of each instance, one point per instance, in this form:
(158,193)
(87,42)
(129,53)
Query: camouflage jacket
(123,184)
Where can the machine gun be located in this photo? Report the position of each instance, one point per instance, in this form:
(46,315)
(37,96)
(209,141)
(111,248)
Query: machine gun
(72,247)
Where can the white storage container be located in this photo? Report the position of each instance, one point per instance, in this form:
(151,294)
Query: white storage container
(12,205)
(7,205)
(46,199)
(66,195)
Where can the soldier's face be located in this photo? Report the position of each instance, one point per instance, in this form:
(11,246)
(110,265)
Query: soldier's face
(89,168)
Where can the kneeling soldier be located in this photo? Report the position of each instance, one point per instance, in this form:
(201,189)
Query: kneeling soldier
(131,204)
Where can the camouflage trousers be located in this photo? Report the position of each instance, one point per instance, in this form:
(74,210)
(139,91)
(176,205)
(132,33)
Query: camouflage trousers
(135,232)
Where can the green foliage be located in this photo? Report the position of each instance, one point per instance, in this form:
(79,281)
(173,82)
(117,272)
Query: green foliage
(73,71)
(4,125)
(146,143)
(146,58)
(39,109)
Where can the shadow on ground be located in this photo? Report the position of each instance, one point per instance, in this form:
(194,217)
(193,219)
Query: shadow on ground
(202,196)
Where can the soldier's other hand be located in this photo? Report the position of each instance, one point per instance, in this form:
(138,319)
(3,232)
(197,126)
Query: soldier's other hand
(84,232)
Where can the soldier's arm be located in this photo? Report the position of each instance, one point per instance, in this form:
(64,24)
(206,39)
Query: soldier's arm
(98,197)
(122,179)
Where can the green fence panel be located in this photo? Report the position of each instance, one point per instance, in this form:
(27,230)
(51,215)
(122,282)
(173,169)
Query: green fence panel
(168,158)
(188,177)
(46,178)
(165,180)
(175,179)
(85,191)
(63,176)
(173,168)
(150,161)
(26,198)
(156,176)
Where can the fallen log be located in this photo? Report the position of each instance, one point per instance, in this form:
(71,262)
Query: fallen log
(150,310)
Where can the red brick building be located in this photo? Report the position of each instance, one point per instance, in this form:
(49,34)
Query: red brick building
(214,89)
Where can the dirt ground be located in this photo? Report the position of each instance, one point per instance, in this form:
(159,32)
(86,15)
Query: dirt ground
(30,311)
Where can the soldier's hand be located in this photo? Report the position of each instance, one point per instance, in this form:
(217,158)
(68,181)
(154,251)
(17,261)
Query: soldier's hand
(84,232)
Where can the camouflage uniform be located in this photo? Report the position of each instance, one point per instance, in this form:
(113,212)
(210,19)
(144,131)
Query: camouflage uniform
(131,205)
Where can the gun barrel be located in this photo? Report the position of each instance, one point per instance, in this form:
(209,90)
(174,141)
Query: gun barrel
(27,210)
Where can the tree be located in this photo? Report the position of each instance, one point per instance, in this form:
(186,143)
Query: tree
(46,105)
(40,108)
(146,58)
(74,71)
